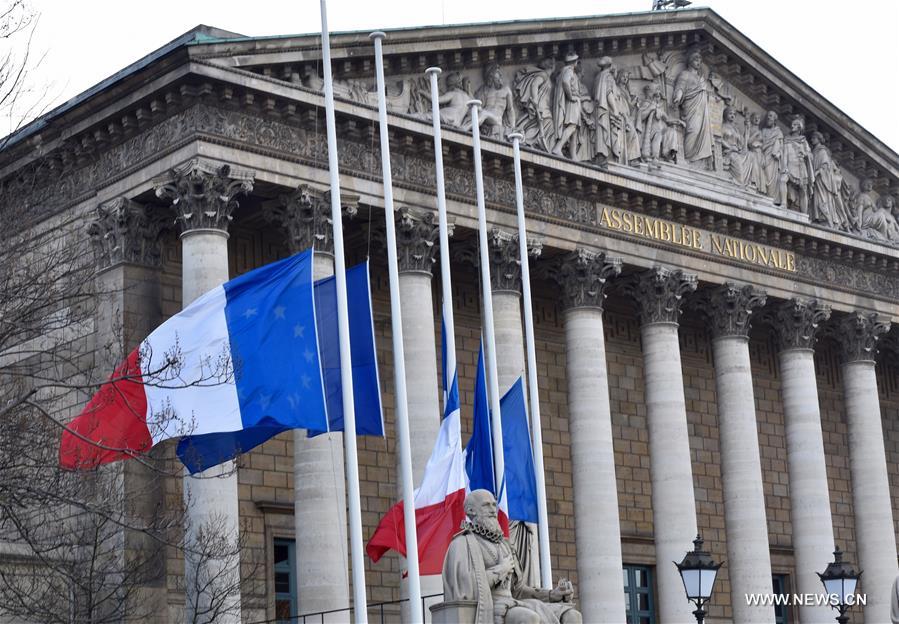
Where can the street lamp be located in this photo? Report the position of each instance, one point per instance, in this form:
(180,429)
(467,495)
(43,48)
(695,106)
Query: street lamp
(840,579)
(698,572)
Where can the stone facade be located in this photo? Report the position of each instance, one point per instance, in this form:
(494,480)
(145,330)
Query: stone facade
(796,254)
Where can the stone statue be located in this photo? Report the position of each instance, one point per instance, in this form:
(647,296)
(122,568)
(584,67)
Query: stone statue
(534,88)
(480,566)
(658,134)
(586,130)
(772,152)
(691,95)
(604,101)
(754,146)
(736,157)
(797,172)
(627,139)
(875,216)
(828,207)
(454,101)
(567,107)
(499,105)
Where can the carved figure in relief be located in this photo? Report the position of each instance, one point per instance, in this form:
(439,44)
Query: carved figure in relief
(691,95)
(737,158)
(499,105)
(827,197)
(628,141)
(772,153)
(481,566)
(586,130)
(567,107)
(797,173)
(754,147)
(875,215)
(534,88)
(658,133)
(454,101)
(604,101)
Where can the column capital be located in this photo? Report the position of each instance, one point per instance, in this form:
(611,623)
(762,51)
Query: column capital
(124,231)
(857,334)
(659,292)
(796,321)
(583,276)
(730,308)
(505,259)
(305,216)
(204,194)
(416,232)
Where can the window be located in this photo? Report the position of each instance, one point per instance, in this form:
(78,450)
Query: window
(285,580)
(638,595)
(781,586)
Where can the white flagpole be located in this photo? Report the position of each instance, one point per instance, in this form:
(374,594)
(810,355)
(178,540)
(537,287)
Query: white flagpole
(446,282)
(399,357)
(360,606)
(546,575)
(499,462)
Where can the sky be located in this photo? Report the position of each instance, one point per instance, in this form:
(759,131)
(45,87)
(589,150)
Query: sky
(847,51)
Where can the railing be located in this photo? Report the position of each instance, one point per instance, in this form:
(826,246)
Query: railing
(327,617)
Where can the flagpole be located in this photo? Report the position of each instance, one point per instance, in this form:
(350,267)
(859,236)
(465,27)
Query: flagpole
(446,282)
(546,576)
(399,357)
(499,462)
(360,606)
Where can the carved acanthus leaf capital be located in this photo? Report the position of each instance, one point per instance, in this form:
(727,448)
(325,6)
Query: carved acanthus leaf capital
(796,321)
(730,308)
(659,293)
(416,233)
(203,194)
(857,334)
(305,216)
(505,258)
(583,276)
(123,230)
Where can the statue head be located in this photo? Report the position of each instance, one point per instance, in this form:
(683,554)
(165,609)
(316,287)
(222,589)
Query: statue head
(652,91)
(694,59)
(755,119)
(547,63)
(887,202)
(493,75)
(604,63)
(866,185)
(797,126)
(729,114)
(571,58)
(770,119)
(623,77)
(480,507)
(816,138)
(454,80)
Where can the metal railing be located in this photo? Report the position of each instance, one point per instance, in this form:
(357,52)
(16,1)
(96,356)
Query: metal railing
(380,610)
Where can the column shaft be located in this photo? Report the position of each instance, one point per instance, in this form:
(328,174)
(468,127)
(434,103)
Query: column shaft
(598,534)
(809,493)
(671,470)
(749,560)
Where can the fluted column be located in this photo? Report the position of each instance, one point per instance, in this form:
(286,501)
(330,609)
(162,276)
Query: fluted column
(795,323)
(748,557)
(320,528)
(505,277)
(658,293)
(204,196)
(874,529)
(582,276)
(416,232)
(125,237)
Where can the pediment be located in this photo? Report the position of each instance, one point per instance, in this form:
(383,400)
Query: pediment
(668,117)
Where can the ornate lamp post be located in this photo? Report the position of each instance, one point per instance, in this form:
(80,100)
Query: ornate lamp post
(698,571)
(840,579)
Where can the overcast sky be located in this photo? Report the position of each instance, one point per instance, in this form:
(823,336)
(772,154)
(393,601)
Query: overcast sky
(847,51)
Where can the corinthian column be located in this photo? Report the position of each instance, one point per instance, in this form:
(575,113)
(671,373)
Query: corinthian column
(874,529)
(658,293)
(582,276)
(204,196)
(318,463)
(748,557)
(795,322)
(416,231)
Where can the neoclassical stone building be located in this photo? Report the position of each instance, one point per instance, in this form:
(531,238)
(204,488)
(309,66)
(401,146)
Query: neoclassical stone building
(718,268)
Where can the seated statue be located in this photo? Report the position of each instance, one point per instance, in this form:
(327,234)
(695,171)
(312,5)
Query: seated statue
(481,566)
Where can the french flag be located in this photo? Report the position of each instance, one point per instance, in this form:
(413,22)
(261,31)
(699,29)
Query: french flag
(439,502)
(242,357)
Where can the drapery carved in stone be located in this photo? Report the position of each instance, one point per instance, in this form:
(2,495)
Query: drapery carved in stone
(857,334)
(123,230)
(505,258)
(659,293)
(730,308)
(204,194)
(305,216)
(583,276)
(796,321)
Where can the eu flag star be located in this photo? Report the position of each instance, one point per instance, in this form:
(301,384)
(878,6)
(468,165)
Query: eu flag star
(279,311)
